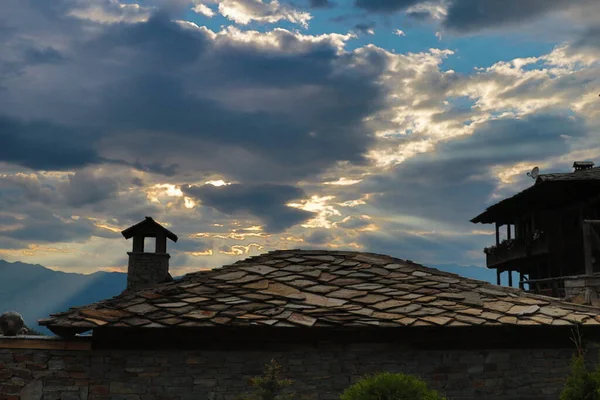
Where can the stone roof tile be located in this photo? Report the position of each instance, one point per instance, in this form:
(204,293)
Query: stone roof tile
(293,288)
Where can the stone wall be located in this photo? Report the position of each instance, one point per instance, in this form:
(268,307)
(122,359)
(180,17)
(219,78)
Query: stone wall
(320,371)
(583,289)
(147,269)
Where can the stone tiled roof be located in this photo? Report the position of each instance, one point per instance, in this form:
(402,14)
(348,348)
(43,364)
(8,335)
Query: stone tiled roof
(325,289)
(590,174)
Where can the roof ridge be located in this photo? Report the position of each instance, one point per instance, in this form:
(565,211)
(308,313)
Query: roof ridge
(324,288)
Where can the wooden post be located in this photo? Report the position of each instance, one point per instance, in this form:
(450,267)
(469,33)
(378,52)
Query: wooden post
(587,247)
(161,244)
(138,244)
(508,235)
(497,276)
(510,278)
(497,234)
(521,284)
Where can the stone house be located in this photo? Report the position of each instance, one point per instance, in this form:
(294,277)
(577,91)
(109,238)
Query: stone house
(328,317)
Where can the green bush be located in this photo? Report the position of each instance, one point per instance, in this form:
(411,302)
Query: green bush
(388,386)
(581,384)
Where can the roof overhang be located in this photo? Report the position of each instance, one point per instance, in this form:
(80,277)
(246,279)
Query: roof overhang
(148,228)
(543,195)
(254,337)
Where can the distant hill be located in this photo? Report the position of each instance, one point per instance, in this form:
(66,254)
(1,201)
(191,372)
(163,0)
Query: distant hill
(479,273)
(36,292)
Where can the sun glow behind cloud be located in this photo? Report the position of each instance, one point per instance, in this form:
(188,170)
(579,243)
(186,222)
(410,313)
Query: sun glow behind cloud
(164,190)
(321,207)
(406,109)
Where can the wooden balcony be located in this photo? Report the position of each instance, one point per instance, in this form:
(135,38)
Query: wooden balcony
(515,250)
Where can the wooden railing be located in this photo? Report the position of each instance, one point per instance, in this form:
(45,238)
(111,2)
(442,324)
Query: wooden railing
(554,287)
(514,250)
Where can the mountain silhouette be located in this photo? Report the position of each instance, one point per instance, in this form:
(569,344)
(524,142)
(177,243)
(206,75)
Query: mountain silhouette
(35,291)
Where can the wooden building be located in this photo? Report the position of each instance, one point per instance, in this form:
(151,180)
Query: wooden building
(550,237)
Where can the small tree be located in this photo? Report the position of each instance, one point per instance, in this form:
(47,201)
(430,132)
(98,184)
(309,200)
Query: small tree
(581,384)
(388,386)
(269,386)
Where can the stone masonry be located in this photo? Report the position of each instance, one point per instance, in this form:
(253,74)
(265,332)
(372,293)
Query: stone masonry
(320,371)
(147,269)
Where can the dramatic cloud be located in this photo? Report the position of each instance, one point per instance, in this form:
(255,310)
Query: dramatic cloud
(466,16)
(286,105)
(457,172)
(271,128)
(428,248)
(51,229)
(366,28)
(45,145)
(85,187)
(245,11)
(385,6)
(110,11)
(472,15)
(588,41)
(266,202)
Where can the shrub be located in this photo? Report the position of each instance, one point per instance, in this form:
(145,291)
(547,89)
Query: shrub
(270,386)
(388,386)
(581,384)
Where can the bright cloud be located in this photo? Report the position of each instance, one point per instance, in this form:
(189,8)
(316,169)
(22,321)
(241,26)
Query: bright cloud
(253,135)
(244,12)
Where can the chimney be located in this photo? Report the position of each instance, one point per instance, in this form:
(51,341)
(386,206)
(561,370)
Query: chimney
(147,269)
(582,165)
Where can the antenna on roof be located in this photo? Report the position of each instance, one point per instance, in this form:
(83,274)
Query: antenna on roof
(534,173)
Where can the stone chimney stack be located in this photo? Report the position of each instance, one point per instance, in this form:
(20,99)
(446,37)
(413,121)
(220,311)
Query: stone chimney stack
(147,269)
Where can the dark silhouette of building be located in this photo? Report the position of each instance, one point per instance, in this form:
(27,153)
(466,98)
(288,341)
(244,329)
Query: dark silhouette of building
(550,236)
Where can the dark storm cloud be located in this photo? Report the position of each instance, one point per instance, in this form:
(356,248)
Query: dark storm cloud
(11,244)
(155,168)
(385,6)
(425,186)
(419,15)
(85,188)
(320,237)
(44,145)
(426,249)
(267,202)
(589,40)
(313,134)
(170,99)
(50,229)
(186,244)
(511,140)
(48,55)
(158,41)
(474,15)
(365,28)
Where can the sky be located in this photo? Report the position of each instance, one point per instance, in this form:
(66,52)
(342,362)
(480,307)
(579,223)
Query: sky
(246,126)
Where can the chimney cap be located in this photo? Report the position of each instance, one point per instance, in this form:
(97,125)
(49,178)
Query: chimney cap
(579,165)
(148,228)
